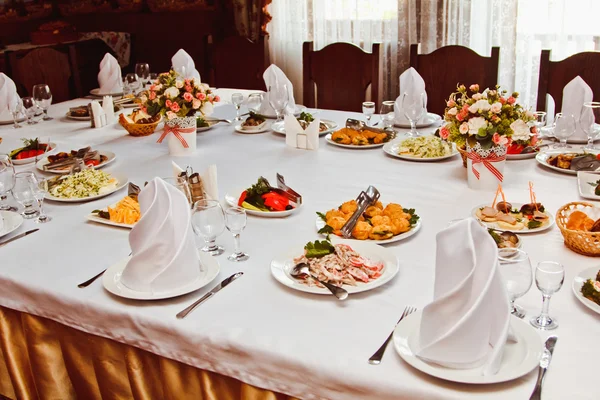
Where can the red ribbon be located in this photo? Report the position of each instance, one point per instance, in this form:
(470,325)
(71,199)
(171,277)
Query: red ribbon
(487,162)
(176,131)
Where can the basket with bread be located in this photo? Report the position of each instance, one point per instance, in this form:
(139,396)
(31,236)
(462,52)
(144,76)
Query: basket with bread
(139,123)
(579,223)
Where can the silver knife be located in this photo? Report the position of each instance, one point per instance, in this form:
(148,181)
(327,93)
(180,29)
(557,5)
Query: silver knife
(19,236)
(544,364)
(208,295)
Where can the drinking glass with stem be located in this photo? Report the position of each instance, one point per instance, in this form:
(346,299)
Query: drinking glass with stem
(564,128)
(387,113)
(279,98)
(235,221)
(40,191)
(24,192)
(7,181)
(131,84)
(16,109)
(142,70)
(254,102)
(413,106)
(208,222)
(549,278)
(515,267)
(237,99)
(368,109)
(30,108)
(540,120)
(43,98)
(589,120)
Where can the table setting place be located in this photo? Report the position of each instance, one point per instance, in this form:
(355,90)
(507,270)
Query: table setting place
(398,271)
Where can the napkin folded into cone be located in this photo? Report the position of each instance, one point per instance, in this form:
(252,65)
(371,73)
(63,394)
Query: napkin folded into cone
(162,242)
(183,63)
(298,137)
(109,77)
(274,76)
(8,97)
(575,94)
(413,84)
(468,323)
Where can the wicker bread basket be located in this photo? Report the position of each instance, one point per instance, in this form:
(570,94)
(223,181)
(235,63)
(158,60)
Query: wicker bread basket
(139,130)
(582,242)
(463,155)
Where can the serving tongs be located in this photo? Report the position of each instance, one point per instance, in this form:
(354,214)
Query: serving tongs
(364,200)
(359,125)
(283,189)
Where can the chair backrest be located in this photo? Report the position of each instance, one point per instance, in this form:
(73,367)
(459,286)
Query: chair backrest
(554,75)
(87,56)
(237,62)
(341,72)
(448,66)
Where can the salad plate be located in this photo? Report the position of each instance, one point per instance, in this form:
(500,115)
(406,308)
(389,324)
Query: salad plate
(23,161)
(517,206)
(587,182)
(282,265)
(232,200)
(120,184)
(589,273)
(320,224)
(110,157)
(11,221)
(519,358)
(278,127)
(393,149)
(430,119)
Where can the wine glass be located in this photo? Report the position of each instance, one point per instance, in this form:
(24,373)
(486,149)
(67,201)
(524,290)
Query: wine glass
(24,192)
(540,120)
(7,181)
(278,99)
(237,99)
(368,109)
(43,99)
(153,76)
(387,113)
(142,70)
(235,221)
(16,109)
(208,222)
(254,102)
(30,108)
(131,84)
(39,191)
(182,184)
(515,267)
(413,106)
(549,278)
(588,120)
(564,128)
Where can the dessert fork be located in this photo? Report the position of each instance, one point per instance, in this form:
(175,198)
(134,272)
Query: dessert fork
(376,358)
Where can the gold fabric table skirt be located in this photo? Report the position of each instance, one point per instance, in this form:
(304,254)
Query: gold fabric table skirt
(42,359)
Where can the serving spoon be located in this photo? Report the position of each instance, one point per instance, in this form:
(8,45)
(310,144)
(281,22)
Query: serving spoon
(301,270)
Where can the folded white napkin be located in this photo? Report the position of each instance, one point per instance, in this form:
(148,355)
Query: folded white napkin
(162,242)
(274,76)
(575,94)
(296,136)
(8,96)
(412,83)
(98,115)
(109,77)
(467,324)
(109,109)
(184,64)
(209,180)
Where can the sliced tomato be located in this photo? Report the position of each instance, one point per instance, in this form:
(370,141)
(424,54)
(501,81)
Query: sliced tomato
(92,162)
(357,261)
(242,198)
(515,148)
(275,201)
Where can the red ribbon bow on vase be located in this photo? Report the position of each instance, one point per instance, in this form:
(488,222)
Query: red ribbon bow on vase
(176,131)
(487,162)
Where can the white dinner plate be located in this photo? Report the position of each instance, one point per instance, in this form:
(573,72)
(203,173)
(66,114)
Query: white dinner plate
(32,159)
(211,122)
(232,200)
(319,224)
(586,190)
(209,269)
(393,148)
(96,92)
(589,273)
(297,111)
(109,154)
(278,127)
(518,206)
(87,118)
(525,156)
(11,222)
(11,121)
(518,359)
(264,128)
(350,146)
(542,158)
(282,265)
(122,182)
(429,120)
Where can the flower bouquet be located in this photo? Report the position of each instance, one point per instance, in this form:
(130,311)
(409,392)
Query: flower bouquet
(486,125)
(178,100)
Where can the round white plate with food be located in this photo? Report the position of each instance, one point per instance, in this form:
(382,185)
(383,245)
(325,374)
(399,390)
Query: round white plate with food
(232,200)
(278,127)
(518,359)
(393,149)
(320,224)
(264,128)
(429,120)
(96,92)
(378,257)
(504,226)
(297,111)
(32,159)
(108,155)
(11,121)
(210,121)
(589,273)
(121,182)
(543,158)
(525,156)
(11,221)
(352,146)
(209,269)
(76,118)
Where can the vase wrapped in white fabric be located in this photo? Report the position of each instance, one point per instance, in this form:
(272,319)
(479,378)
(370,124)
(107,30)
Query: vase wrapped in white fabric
(413,84)
(467,325)
(274,76)
(8,97)
(575,94)
(183,64)
(109,77)
(180,133)
(162,242)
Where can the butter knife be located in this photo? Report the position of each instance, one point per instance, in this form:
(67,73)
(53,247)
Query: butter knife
(19,236)
(208,295)
(544,364)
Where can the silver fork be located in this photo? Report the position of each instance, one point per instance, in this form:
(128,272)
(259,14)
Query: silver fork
(376,358)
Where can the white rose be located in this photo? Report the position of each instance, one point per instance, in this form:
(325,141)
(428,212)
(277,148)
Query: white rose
(484,95)
(520,130)
(143,98)
(172,92)
(479,105)
(475,124)
(171,115)
(196,104)
(178,84)
(477,96)
(453,111)
(158,87)
(496,107)
(464,128)
(207,108)
(204,87)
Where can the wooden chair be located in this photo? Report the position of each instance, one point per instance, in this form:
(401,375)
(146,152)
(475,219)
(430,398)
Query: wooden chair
(87,56)
(237,62)
(448,66)
(341,73)
(554,75)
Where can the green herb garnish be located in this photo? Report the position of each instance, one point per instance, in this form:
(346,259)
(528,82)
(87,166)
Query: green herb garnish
(495,236)
(588,291)
(318,249)
(322,216)
(201,123)
(533,224)
(413,217)
(304,116)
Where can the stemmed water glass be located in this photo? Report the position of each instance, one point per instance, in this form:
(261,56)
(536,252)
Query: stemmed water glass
(254,102)
(16,109)
(39,191)
(413,106)
(588,120)
(208,222)
(30,108)
(549,278)
(235,221)
(132,83)
(153,76)
(279,98)
(515,268)
(387,113)
(7,181)
(24,191)
(564,128)
(237,99)
(368,109)
(43,99)
(142,70)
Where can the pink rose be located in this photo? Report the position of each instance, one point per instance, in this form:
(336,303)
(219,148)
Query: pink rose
(534,129)
(175,107)
(152,95)
(451,103)
(499,140)
(168,103)
(188,96)
(444,133)
(196,104)
(464,128)
(217,99)
(210,97)
(511,100)
(460,117)
(534,140)
(152,87)
(474,88)
(188,88)
(465,108)
(502,100)
(201,96)
(187,82)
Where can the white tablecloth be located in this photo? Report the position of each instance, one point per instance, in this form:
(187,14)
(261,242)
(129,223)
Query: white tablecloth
(257,330)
